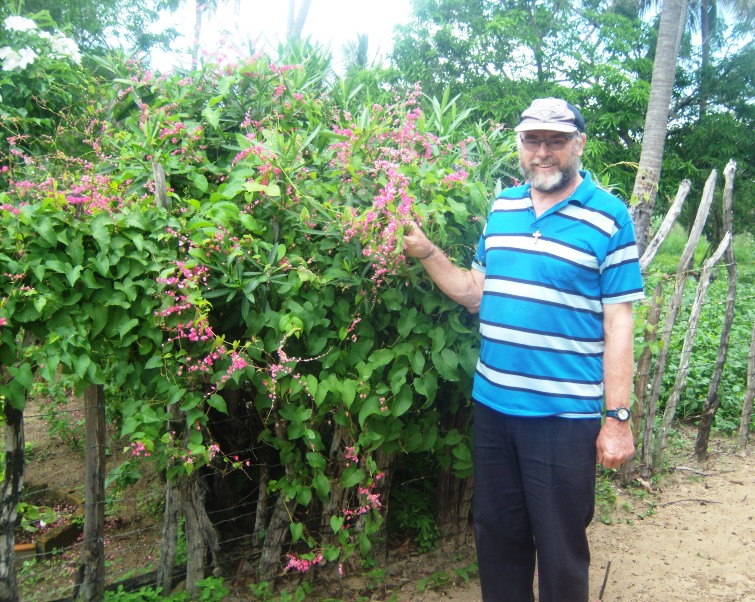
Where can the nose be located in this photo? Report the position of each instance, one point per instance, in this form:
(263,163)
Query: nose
(543,150)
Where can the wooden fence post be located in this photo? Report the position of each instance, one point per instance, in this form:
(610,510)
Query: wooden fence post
(744,425)
(712,401)
(666,225)
(641,379)
(689,341)
(673,311)
(10,492)
(169,538)
(90,579)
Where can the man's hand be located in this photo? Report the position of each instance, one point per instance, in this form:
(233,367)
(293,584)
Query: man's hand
(416,244)
(615,443)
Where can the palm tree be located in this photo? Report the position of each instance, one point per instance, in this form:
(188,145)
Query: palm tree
(670,30)
(296,22)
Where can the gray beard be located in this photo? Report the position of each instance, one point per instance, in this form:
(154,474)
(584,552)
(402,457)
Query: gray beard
(553,182)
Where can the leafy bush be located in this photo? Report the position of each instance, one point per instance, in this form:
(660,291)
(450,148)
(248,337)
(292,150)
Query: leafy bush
(272,292)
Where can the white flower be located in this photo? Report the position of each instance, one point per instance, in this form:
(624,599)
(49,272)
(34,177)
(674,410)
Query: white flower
(19,24)
(63,46)
(16,60)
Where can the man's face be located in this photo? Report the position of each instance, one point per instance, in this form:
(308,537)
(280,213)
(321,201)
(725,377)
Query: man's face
(548,169)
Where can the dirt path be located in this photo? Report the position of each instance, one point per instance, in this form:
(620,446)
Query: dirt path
(691,540)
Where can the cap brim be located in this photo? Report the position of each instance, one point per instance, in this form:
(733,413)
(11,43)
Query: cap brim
(545,127)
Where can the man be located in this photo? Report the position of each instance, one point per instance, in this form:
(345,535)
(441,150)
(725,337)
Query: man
(553,280)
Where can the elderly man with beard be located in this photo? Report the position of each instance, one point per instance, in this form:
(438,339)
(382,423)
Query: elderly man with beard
(553,279)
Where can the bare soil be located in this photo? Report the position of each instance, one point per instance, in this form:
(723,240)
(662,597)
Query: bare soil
(688,536)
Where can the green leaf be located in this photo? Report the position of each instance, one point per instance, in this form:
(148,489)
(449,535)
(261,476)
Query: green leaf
(125,327)
(200,181)
(427,385)
(100,232)
(156,361)
(402,402)
(336,523)
(407,322)
(446,363)
(81,365)
(348,391)
(212,116)
(316,460)
(73,273)
(217,402)
(352,476)
(370,407)
(23,375)
(321,484)
(297,529)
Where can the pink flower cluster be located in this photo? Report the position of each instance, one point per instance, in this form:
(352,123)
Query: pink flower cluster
(370,500)
(302,565)
(138,450)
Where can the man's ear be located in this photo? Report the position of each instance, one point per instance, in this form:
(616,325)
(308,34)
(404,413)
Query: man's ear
(582,139)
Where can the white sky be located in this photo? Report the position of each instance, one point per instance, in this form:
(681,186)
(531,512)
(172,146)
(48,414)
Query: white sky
(333,22)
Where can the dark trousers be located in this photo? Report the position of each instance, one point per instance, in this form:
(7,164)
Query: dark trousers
(534,493)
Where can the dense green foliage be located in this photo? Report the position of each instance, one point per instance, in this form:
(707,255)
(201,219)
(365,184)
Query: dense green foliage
(102,25)
(272,292)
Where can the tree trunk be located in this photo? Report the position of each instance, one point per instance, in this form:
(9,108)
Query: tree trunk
(338,497)
(279,526)
(703,80)
(642,377)
(260,520)
(275,536)
(169,538)
(673,19)
(296,25)
(90,580)
(671,314)
(689,341)
(201,536)
(9,496)
(198,12)
(744,425)
(712,401)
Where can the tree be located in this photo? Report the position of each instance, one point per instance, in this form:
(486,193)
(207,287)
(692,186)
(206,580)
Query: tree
(296,20)
(656,119)
(100,25)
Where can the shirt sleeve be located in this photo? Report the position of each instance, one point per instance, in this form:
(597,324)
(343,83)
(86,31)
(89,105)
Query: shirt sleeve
(621,279)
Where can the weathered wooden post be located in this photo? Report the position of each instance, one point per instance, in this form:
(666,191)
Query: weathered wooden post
(671,314)
(9,496)
(90,579)
(169,538)
(641,379)
(689,340)
(744,425)
(712,401)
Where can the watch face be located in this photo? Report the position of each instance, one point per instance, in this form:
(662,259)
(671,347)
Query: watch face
(622,414)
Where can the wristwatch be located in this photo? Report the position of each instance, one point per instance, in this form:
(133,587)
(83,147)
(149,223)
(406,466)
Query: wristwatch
(621,414)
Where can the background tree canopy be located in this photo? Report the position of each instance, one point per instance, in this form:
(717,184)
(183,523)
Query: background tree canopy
(598,55)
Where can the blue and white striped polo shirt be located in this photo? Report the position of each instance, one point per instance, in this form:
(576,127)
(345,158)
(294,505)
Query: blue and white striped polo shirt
(546,280)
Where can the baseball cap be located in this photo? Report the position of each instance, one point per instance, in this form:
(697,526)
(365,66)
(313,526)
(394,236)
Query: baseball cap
(551,114)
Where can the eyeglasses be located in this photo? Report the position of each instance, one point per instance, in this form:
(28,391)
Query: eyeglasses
(555,144)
